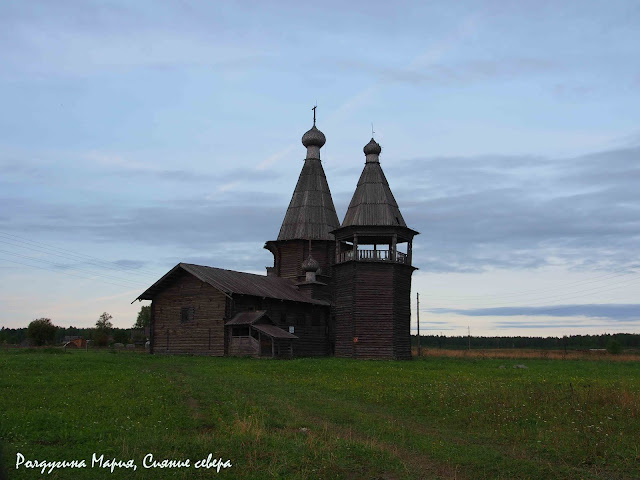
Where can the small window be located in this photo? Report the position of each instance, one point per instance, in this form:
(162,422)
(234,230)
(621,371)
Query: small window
(300,320)
(187,314)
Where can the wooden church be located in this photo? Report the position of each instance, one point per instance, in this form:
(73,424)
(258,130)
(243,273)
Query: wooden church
(334,289)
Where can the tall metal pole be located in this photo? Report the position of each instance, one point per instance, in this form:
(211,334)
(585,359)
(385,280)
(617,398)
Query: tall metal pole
(418,318)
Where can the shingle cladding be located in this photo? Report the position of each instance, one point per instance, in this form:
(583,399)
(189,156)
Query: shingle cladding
(373,203)
(232,282)
(247,318)
(275,332)
(311,214)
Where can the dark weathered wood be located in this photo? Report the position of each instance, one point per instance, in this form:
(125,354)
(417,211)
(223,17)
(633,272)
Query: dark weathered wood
(312,339)
(152,327)
(289,255)
(311,213)
(231,282)
(372,310)
(170,335)
(372,202)
(418,324)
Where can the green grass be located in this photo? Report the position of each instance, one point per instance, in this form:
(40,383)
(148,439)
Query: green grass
(323,418)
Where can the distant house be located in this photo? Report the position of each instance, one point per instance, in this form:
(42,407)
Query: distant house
(76,342)
(334,289)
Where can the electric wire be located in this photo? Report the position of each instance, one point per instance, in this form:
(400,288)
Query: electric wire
(64,273)
(95,260)
(54,264)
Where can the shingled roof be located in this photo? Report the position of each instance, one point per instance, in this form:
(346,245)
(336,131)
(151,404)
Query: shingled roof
(231,282)
(247,318)
(274,331)
(373,203)
(311,214)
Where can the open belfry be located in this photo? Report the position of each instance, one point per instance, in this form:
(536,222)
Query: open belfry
(334,289)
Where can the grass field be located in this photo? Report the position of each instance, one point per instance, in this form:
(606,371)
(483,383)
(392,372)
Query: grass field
(436,417)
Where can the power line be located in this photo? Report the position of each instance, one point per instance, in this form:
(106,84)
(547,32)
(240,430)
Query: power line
(91,272)
(85,264)
(64,273)
(96,261)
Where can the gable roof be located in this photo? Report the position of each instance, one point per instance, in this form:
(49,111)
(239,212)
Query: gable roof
(231,282)
(373,203)
(311,214)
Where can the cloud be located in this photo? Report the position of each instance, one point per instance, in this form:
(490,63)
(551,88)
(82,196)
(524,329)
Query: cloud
(437,72)
(269,161)
(193,225)
(130,264)
(618,313)
(75,38)
(474,213)
(575,327)
(521,212)
(568,91)
(122,166)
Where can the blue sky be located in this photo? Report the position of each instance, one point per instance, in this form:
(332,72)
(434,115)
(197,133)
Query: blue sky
(135,135)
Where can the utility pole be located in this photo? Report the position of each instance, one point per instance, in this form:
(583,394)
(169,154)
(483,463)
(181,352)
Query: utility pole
(418,318)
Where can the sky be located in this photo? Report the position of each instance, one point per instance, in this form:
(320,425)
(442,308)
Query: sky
(137,135)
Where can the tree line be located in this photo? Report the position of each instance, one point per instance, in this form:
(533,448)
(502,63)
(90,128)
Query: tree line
(42,331)
(570,342)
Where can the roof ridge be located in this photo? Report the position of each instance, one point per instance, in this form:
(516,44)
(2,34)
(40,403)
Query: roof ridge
(234,271)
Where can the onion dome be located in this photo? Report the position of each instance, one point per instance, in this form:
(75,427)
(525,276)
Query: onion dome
(372,148)
(314,137)
(310,265)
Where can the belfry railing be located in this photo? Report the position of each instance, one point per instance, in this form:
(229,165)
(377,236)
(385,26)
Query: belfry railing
(372,256)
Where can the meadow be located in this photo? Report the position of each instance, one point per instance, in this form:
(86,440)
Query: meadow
(463,417)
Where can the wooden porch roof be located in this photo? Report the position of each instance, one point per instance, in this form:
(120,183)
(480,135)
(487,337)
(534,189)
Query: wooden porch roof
(273,331)
(247,318)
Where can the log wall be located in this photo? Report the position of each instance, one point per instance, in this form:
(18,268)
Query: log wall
(372,310)
(344,309)
(402,312)
(289,255)
(204,335)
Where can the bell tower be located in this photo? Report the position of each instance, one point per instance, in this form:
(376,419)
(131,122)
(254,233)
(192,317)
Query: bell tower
(372,270)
